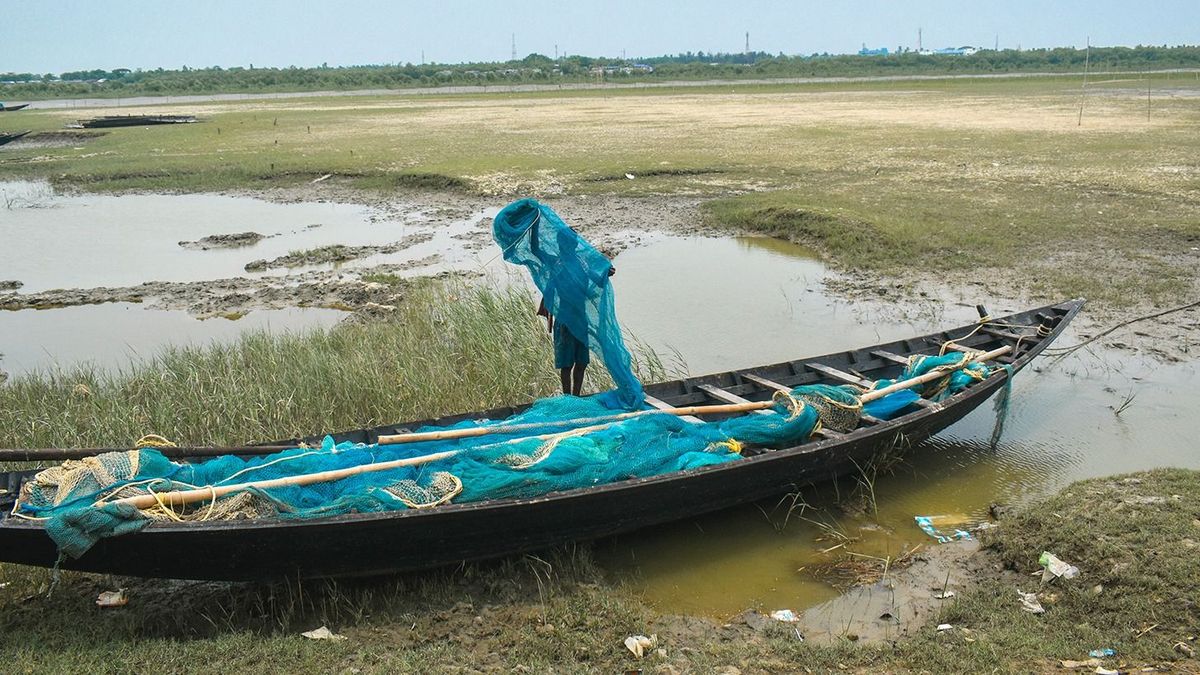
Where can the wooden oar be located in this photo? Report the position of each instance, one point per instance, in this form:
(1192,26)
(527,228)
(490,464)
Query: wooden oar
(181,497)
(470,432)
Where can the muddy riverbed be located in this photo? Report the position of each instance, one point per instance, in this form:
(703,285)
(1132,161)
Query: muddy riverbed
(107,279)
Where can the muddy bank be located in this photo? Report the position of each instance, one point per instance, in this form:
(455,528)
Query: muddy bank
(214,241)
(336,253)
(52,139)
(611,223)
(239,295)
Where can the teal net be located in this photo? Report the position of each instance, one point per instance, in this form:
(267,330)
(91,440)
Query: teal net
(958,376)
(574,280)
(572,446)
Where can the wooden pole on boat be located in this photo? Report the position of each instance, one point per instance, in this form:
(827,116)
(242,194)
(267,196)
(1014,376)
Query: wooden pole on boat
(182,497)
(935,374)
(472,432)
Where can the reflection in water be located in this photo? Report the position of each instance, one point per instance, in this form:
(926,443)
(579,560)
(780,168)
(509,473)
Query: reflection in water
(779,247)
(724,304)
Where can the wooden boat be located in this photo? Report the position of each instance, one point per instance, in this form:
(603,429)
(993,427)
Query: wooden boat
(377,543)
(13,108)
(6,138)
(110,121)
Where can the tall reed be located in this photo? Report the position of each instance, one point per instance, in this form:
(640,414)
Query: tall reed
(448,348)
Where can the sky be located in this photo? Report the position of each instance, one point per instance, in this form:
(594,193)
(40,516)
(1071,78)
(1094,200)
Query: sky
(62,35)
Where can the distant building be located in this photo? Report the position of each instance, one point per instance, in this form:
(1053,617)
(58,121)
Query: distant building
(882,51)
(956,51)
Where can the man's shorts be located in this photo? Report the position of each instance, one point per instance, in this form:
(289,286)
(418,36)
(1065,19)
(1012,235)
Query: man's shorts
(568,351)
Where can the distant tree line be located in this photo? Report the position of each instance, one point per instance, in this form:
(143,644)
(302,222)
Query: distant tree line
(537,68)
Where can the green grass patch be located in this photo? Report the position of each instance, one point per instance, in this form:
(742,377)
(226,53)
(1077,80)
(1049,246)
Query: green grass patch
(384,278)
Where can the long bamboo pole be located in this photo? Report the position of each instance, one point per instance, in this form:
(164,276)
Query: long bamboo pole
(932,375)
(471,432)
(182,497)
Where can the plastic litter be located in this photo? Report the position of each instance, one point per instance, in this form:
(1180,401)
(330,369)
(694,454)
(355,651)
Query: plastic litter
(1030,603)
(785,615)
(944,595)
(1101,670)
(944,627)
(926,524)
(115,598)
(1102,653)
(1053,567)
(323,633)
(640,644)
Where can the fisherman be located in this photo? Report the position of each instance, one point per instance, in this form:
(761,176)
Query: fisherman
(574,279)
(571,355)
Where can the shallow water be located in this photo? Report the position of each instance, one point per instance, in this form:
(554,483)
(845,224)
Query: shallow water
(112,335)
(53,241)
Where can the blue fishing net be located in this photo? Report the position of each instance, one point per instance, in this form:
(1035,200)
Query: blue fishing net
(576,445)
(942,388)
(573,279)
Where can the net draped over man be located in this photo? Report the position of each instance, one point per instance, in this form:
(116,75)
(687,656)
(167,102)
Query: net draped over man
(577,296)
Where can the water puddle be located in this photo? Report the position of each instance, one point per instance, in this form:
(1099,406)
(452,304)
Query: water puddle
(131,244)
(54,241)
(119,333)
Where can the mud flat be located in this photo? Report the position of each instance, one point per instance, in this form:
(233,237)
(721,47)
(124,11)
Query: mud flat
(235,240)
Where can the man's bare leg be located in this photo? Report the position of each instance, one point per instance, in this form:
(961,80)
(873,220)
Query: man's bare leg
(577,384)
(565,374)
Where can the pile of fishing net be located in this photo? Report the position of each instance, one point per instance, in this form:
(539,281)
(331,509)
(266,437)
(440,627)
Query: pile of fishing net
(573,278)
(565,450)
